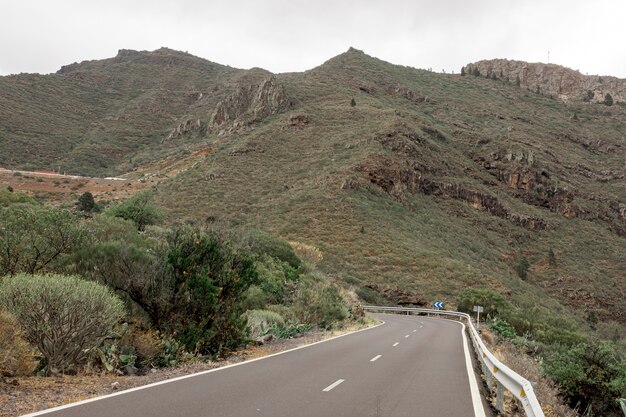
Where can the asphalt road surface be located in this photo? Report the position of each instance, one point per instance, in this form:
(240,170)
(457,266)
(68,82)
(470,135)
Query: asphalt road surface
(409,366)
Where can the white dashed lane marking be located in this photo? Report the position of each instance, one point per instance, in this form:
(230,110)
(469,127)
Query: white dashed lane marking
(375,358)
(333,385)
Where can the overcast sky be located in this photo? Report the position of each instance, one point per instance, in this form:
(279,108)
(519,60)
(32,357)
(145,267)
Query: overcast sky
(294,35)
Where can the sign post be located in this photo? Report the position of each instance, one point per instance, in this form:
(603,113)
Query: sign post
(478,310)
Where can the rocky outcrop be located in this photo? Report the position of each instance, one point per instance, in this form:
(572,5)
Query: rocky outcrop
(187,127)
(399,296)
(400,180)
(519,173)
(552,80)
(249,104)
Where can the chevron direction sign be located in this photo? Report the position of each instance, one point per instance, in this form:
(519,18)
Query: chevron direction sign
(438,304)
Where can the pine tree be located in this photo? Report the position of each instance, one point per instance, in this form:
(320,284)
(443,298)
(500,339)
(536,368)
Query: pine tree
(551,257)
(86,202)
(522,267)
(462,70)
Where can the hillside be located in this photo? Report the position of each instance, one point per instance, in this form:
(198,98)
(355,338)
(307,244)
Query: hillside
(429,184)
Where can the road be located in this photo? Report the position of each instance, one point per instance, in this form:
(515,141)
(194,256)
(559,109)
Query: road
(408,366)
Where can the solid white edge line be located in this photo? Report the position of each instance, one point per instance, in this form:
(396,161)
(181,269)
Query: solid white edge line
(333,385)
(375,358)
(167,381)
(479,411)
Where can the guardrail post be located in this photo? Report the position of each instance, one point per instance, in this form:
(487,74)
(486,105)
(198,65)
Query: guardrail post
(489,384)
(500,397)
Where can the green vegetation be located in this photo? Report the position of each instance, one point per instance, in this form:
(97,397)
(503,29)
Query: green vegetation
(86,202)
(139,209)
(64,316)
(590,371)
(608,99)
(35,238)
(188,290)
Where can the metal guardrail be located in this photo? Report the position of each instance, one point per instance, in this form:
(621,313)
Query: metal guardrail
(494,370)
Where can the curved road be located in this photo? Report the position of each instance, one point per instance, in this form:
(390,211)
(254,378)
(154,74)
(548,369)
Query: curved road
(409,366)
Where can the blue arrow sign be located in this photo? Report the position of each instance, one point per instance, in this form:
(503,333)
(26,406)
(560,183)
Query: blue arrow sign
(439,304)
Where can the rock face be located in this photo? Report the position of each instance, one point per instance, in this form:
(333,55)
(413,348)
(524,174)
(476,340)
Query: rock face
(186,128)
(552,80)
(250,103)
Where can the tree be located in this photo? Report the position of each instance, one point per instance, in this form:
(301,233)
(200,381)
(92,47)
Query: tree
(522,267)
(476,72)
(518,81)
(608,99)
(33,238)
(86,202)
(462,70)
(139,209)
(352,102)
(551,257)
(64,316)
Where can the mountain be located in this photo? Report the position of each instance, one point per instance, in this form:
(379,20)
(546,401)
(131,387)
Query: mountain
(414,184)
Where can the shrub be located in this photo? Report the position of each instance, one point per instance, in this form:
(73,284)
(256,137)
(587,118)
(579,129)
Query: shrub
(503,329)
(262,243)
(203,289)
(591,375)
(8,196)
(64,316)
(259,322)
(494,304)
(608,100)
(16,355)
(33,238)
(308,253)
(352,103)
(318,303)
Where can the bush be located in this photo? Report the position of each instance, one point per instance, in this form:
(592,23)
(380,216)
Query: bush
(33,238)
(608,100)
(262,243)
(503,329)
(318,303)
(64,316)
(590,375)
(259,322)
(8,197)
(522,267)
(203,289)
(16,355)
(308,253)
(494,304)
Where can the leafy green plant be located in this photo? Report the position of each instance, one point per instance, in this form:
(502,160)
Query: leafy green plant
(502,328)
(64,316)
